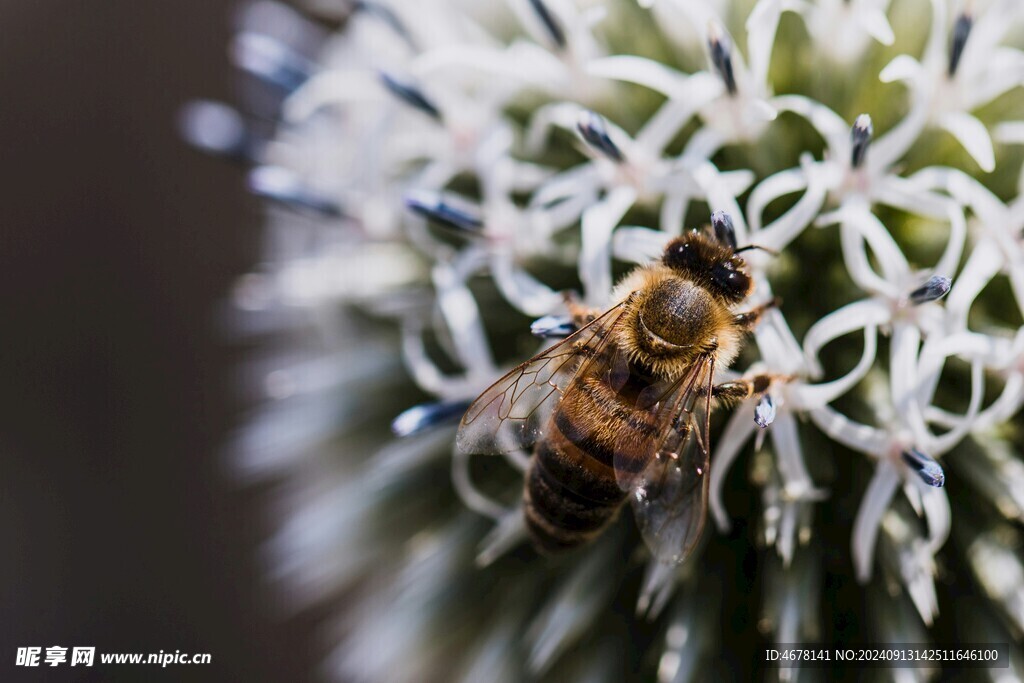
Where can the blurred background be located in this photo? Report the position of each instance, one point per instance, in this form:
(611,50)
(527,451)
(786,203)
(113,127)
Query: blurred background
(119,527)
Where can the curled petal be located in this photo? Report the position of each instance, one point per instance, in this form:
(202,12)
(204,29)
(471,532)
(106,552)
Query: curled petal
(784,229)
(666,123)
(813,395)
(522,290)
(966,345)
(944,443)
(853,435)
(939,517)
(595,257)
(875,24)
(762,25)
(562,115)
(464,322)
(886,251)
(869,516)
(571,608)
(832,128)
(639,245)
(471,496)
(1010,132)
(860,314)
(770,189)
(656,76)
(789,455)
(509,532)
(728,447)
(973,135)
(982,265)
(901,68)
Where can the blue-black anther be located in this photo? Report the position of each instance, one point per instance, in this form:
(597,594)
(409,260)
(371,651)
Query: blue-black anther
(591,126)
(724,230)
(925,467)
(765,411)
(409,92)
(271,60)
(551,24)
(961,31)
(426,416)
(721,56)
(860,139)
(933,290)
(434,206)
(553,327)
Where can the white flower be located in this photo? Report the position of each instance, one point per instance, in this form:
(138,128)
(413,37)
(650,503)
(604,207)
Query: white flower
(730,98)
(843,29)
(443,166)
(961,74)
(626,171)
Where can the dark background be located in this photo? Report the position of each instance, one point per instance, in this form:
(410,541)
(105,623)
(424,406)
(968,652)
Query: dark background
(119,528)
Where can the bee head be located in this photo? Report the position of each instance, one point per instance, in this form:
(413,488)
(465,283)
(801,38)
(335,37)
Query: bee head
(710,263)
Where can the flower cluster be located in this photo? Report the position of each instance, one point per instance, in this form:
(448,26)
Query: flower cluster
(442,171)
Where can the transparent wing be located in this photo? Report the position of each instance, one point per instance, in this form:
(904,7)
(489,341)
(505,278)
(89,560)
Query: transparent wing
(512,413)
(666,474)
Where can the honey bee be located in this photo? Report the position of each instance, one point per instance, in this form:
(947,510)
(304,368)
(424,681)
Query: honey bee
(621,408)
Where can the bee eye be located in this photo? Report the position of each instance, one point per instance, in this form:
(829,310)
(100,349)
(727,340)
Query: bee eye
(731,283)
(679,256)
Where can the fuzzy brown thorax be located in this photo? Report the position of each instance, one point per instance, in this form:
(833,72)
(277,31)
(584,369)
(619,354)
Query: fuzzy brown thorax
(670,320)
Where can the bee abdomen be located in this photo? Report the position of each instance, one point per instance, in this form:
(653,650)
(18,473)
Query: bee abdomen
(602,427)
(572,491)
(558,517)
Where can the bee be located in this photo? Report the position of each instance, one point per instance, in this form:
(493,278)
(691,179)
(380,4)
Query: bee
(620,409)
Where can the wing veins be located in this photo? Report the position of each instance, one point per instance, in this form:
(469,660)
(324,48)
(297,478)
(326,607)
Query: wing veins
(510,411)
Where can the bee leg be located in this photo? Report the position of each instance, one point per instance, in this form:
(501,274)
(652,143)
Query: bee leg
(748,321)
(741,389)
(581,315)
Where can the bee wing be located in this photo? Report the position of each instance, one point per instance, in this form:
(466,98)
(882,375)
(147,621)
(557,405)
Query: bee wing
(512,413)
(666,474)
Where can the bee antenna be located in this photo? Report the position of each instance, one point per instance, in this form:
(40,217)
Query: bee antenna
(756,246)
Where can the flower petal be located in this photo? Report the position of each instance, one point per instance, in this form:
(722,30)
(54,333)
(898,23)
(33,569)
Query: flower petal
(595,256)
(973,135)
(875,23)
(869,516)
(737,432)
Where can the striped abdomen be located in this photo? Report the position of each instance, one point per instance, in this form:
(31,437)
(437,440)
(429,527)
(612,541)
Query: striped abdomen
(571,489)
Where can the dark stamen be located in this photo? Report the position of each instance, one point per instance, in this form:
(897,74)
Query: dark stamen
(721,56)
(409,93)
(724,230)
(423,417)
(552,327)
(434,206)
(925,467)
(550,23)
(284,186)
(860,138)
(591,127)
(385,14)
(218,129)
(271,61)
(933,290)
(765,411)
(961,31)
